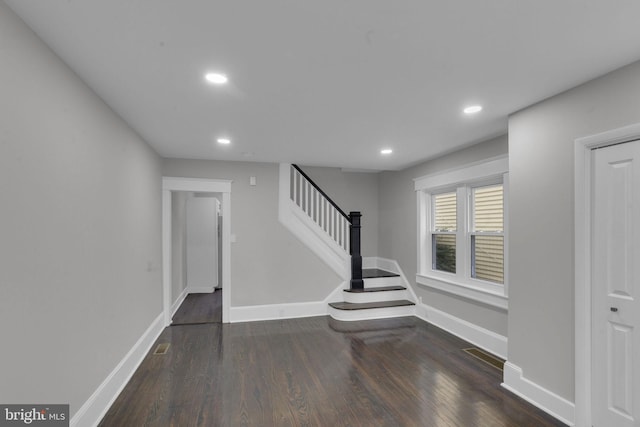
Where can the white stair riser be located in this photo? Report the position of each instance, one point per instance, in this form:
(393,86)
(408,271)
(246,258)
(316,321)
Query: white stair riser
(383,281)
(357,297)
(372,313)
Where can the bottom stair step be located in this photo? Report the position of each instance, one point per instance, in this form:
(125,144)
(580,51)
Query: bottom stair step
(369,305)
(377,289)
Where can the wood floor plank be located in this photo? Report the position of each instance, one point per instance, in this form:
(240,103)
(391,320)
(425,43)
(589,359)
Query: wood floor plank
(318,372)
(199,308)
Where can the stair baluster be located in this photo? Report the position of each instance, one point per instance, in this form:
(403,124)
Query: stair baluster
(313,201)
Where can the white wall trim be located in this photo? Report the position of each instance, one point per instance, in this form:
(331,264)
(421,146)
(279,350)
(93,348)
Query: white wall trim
(471,172)
(200,289)
(170,184)
(551,403)
(91,413)
(337,294)
(254,313)
(393,266)
(582,250)
(372,314)
(494,299)
(488,340)
(167,270)
(203,185)
(178,302)
(369,262)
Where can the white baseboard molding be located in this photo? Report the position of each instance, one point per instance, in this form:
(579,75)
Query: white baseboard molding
(533,393)
(178,302)
(190,290)
(488,340)
(373,313)
(381,263)
(369,262)
(200,289)
(101,400)
(388,265)
(337,294)
(254,313)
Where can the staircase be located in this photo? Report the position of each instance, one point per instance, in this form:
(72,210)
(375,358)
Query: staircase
(334,236)
(383,296)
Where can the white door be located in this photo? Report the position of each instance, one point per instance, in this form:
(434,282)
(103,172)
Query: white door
(616,286)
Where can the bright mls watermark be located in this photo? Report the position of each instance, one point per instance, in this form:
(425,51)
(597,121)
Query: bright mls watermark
(34,415)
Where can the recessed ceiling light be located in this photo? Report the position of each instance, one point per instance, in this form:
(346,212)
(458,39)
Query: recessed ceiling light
(216,78)
(386,151)
(473,109)
(224,141)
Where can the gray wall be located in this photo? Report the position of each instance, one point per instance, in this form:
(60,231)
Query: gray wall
(80,248)
(398,231)
(541,263)
(268,264)
(352,192)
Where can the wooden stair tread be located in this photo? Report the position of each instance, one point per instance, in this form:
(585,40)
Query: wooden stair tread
(369,305)
(372,273)
(377,289)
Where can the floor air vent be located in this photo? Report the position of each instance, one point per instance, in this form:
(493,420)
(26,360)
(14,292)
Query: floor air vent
(487,358)
(162,348)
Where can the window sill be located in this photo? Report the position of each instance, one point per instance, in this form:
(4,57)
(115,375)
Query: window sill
(484,296)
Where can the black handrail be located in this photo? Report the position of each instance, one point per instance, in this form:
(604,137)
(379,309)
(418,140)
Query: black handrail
(323,193)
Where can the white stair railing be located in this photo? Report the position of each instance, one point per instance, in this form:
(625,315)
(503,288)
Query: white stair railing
(319,208)
(314,219)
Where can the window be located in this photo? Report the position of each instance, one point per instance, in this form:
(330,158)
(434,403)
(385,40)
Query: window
(461,246)
(443,237)
(487,233)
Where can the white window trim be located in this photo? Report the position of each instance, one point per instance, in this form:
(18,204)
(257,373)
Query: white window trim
(492,170)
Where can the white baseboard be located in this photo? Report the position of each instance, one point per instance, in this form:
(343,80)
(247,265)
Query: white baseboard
(200,289)
(369,262)
(253,313)
(176,305)
(381,263)
(488,340)
(190,290)
(338,293)
(101,400)
(372,313)
(533,393)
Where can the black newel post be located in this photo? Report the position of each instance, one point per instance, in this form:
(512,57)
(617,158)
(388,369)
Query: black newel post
(356,256)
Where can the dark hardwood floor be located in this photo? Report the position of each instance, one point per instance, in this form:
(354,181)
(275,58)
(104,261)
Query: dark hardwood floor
(318,372)
(199,308)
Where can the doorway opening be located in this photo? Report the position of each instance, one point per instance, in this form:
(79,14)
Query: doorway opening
(207,271)
(196,250)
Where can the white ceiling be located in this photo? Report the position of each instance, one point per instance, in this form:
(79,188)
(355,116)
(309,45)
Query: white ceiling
(331,82)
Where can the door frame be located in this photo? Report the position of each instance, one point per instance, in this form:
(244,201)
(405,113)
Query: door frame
(170,184)
(583,173)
